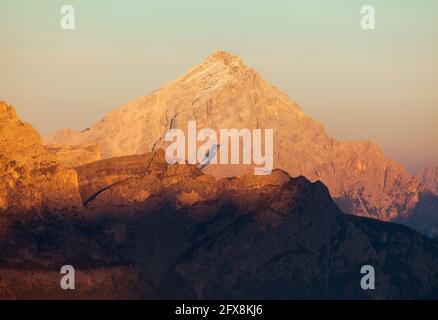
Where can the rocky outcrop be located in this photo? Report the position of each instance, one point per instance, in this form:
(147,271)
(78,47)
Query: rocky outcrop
(169,231)
(130,180)
(222,92)
(31,177)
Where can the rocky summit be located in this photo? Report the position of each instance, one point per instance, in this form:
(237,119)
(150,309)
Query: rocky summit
(223,93)
(135,226)
(31,177)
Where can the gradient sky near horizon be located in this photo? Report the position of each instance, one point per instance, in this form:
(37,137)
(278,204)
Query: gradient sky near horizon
(380,85)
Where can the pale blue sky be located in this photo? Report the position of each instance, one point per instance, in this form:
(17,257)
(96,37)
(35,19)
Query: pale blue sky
(380,85)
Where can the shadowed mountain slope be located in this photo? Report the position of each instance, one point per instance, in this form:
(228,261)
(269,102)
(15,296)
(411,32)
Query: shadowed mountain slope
(153,230)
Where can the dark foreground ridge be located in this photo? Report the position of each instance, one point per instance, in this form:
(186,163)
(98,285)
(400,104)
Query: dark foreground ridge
(156,231)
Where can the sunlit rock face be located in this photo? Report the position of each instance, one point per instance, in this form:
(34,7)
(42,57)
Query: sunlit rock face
(224,93)
(30,176)
(152,230)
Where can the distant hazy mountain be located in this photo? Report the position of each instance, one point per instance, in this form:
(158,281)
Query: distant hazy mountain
(222,92)
(424,216)
(429,179)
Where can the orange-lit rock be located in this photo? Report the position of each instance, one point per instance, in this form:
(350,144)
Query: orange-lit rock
(223,92)
(31,177)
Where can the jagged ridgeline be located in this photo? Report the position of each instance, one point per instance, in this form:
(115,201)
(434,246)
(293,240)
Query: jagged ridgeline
(223,93)
(136,227)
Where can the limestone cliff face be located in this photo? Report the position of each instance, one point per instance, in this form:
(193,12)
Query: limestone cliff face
(30,176)
(222,92)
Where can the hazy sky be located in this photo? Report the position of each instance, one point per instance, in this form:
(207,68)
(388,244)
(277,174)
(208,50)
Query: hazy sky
(380,85)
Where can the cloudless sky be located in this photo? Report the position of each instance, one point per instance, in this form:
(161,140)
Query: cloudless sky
(380,85)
